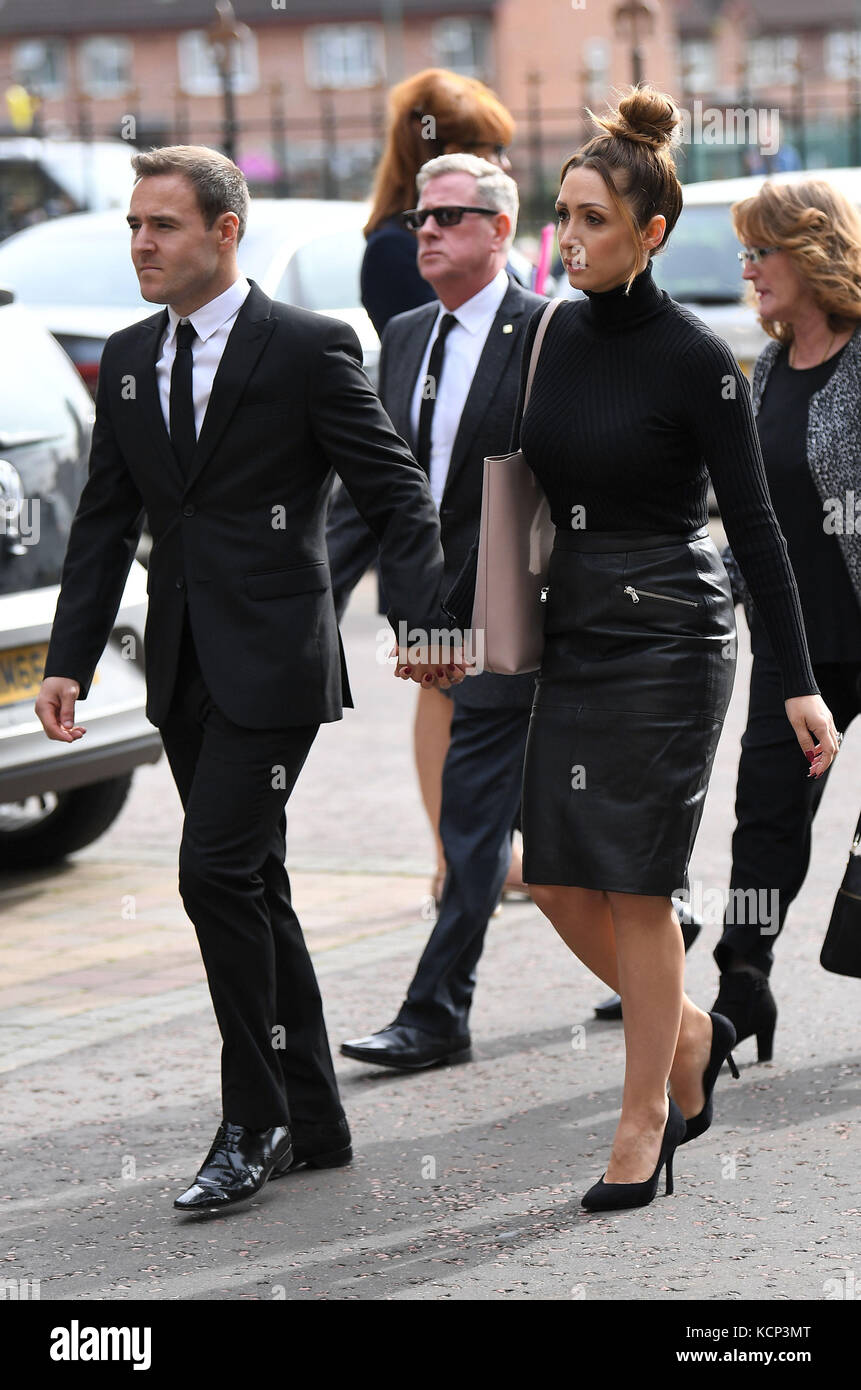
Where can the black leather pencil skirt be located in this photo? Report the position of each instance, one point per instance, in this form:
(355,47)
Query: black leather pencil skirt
(635,681)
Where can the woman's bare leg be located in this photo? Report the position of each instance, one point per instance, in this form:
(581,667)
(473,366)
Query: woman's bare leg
(514,877)
(431,731)
(651,962)
(585,920)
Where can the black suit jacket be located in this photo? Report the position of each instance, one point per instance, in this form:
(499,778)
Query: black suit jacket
(241,539)
(488,415)
(485,428)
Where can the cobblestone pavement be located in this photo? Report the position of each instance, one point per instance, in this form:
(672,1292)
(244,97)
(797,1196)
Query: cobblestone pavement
(467,1179)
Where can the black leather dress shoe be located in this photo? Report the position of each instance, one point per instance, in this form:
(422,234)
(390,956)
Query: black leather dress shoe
(406,1048)
(238,1164)
(691,927)
(326,1145)
(611,1008)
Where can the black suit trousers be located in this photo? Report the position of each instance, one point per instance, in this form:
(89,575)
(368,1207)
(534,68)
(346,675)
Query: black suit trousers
(481,787)
(775,806)
(276,1066)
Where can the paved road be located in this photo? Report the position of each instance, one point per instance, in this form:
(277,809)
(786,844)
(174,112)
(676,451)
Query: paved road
(467,1180)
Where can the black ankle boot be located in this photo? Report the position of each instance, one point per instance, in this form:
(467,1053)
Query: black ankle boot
(746,1000)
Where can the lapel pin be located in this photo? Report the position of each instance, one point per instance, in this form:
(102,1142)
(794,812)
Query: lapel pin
(508,328)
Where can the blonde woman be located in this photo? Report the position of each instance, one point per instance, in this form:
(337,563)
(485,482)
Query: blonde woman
(801,252)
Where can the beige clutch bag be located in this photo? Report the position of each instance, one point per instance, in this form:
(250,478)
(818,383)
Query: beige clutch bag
(515,540)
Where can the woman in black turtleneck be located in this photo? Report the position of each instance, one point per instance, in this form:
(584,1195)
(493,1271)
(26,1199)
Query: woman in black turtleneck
(634,404)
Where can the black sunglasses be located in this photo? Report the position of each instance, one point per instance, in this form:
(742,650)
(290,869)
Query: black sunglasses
(445,217)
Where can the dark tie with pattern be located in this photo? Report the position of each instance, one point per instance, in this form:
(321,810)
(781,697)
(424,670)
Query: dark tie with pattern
(182,432)
(429,391)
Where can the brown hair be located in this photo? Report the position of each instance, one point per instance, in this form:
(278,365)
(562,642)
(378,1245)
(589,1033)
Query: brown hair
(435,112)
(635,147)
(821,230)
(218,183)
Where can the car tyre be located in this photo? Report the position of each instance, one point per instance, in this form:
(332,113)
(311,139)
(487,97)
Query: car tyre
(79,817)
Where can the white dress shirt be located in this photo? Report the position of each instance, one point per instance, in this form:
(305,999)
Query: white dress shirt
(212,324)
(463,348)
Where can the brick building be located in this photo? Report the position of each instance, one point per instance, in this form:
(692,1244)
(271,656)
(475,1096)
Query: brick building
(309,77)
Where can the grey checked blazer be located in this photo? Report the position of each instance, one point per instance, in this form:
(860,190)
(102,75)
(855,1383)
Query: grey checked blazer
(833,448)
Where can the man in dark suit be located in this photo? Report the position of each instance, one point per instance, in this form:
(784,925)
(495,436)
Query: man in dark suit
(223,418)
(449,379)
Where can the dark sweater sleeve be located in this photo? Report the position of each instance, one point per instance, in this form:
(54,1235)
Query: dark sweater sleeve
(721,419)
(391,283)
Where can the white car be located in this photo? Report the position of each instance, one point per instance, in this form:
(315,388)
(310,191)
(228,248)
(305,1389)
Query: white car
(47,178)
(75,273)
(700,267)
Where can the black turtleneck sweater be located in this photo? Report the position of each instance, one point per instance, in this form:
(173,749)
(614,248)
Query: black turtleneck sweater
(634,404)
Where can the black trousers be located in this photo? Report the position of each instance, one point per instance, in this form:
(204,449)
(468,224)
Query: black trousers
(276,1066)
(481,788)
(775,806)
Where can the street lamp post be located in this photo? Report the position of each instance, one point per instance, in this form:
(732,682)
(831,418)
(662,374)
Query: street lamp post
(855,102)
(535,140)
(800,111)
(689,89)
(635,20)
(393,27)
(222,34)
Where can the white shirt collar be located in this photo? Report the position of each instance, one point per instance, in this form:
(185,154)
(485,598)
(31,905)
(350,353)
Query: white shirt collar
(209,317)
(473,315)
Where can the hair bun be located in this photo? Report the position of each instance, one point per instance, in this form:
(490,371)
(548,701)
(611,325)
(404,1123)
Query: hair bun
(646,116)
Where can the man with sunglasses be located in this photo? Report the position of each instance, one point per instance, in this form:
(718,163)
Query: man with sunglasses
(449,380)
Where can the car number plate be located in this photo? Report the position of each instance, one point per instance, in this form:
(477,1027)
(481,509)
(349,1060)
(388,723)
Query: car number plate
(21,672)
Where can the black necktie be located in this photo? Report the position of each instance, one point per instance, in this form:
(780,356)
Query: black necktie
(182,432)
(430,386)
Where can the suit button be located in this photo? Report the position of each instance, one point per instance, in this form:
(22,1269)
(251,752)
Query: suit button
(188,510)
(180,583)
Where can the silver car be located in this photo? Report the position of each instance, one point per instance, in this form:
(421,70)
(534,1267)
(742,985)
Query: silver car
(55,798)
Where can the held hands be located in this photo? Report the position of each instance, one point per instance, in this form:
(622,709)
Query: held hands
(55,707)
(810,716)
(429,666)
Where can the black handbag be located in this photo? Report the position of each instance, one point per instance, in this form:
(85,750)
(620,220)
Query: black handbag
(841,949)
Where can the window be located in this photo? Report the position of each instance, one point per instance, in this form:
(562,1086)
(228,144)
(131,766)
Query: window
(40,66)
(344,55)
(698,65)
(772,60)
(462,46)
(596,69)
(842,54)
(105,66)
(198,71)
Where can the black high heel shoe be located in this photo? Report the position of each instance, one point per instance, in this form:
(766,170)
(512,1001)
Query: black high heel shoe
(614,1196)
(746,1000)
(723,1040)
